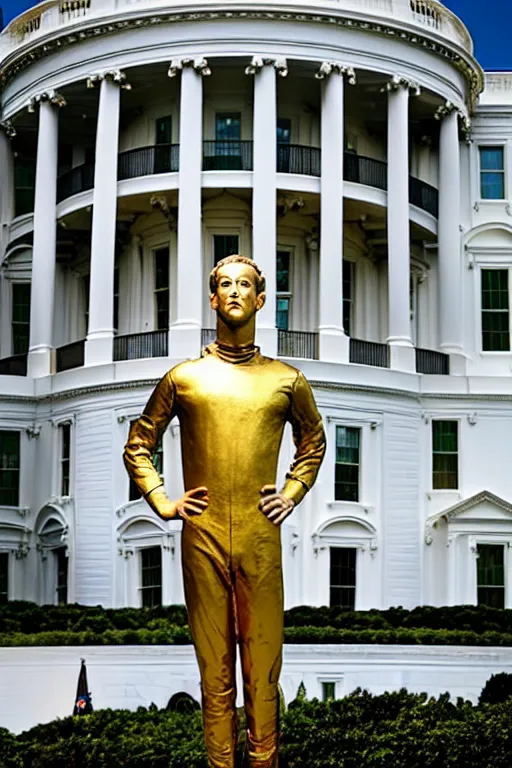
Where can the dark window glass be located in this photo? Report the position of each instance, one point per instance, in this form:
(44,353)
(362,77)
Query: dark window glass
(115,318)
(445,457)
(283,298)
(24,185)
(4,577)
(227,126)
(151,576)
(9,468)
(284,130)
(343,577)
(163,130)
(348,293)
(162,288)
(283,272)
(61,562)
(20,318)
(490,567)
(158,461)
(495,310)
(492,173)
(86,287)
(65,458)
(223,246)
(346,476)
(328,691)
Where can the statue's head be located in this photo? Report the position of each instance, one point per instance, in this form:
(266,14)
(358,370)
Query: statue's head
(237,290)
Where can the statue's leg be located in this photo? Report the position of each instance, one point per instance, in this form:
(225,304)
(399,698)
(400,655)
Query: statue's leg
(209,598)
(259,595)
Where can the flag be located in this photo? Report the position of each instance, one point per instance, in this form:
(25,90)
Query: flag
(83,704)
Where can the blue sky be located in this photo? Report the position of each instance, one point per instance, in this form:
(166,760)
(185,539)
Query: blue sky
(489,21)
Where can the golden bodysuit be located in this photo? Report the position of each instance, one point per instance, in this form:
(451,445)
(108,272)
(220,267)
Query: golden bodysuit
(232,408)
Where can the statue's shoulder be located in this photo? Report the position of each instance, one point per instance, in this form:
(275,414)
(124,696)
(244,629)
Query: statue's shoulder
(185,370)
(280,367)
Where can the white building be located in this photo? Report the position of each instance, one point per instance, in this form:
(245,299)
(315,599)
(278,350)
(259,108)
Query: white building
(355,150)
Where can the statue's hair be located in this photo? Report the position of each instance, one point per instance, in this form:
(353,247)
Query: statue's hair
(237,259)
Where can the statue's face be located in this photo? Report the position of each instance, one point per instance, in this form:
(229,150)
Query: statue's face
(236,299)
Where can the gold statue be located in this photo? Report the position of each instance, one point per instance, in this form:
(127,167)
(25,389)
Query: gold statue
(232,405)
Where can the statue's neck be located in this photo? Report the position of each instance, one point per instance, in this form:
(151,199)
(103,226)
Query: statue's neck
(235,345)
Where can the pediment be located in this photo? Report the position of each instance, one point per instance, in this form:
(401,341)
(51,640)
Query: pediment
(482,506)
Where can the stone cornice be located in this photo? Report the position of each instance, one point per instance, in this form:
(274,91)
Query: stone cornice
(258,62)
(46,47)
(51,97)
(200,64)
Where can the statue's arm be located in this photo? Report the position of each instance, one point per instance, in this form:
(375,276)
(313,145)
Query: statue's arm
(309,439)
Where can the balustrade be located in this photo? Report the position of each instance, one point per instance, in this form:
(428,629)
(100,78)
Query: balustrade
(136,346)
(14,366)
(369,353)
(297,344)
(294,158)
(146,161)
(227,155)
(78,179)
(70,356)
(430,361)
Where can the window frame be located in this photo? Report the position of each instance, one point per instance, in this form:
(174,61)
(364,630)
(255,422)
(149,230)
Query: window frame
(504,547)
(161,290)
(141,587)
(360,455)
(493,267)
(18,469)
(5,554)
(340,586)
(288,295)
(14,323)
(457,421)
(492,145)
(351,265)
(223,234)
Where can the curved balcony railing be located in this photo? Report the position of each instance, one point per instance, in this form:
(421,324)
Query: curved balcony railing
(76,180)
(227,155)
(70,356)
(423,196)
(136,346)
(147,161)
(369,353)
(14,366)
(433,362)
(295,158)
(297,344)
(365,170)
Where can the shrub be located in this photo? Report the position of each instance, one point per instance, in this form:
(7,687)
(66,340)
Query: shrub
(497,689)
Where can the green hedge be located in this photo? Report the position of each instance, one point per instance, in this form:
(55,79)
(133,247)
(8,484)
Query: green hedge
(24,624)
(394,730)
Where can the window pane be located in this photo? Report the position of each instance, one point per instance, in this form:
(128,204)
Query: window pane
(9,468)
(115,312)
(491,158)
(346,472)
(224,246)
(343,577)
(282,313)
(62,575)
(227,126)
(284,130)
(328,691)
(492,186)
(151,576)
(283,272)
(495,289)
(445,458)
(162,288)
(163,130)
(348,290)
(491,575)
(4,577)
(495,310)
(65,458)
(20,318)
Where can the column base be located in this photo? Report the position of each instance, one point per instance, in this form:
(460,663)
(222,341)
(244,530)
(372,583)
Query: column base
(40,362)
(402,358)
(266,339)
(98,350)
(184,341)
(333,345)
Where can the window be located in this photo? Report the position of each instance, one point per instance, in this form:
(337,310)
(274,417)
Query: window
(445,458)
(162,288)
(163,130)
(4,577)
(283,294)
(61,564)
(346,477)
(348,293)
(86,289)
(343,578)
(24,185)
(227,126)
(328,691)
(9,468)
(492,173)
(151,576)
(284,130)
(490,567)
(115,315)
(65,458)
(228,149)
(158,461)
(495,311)
(20,318)
(223,246)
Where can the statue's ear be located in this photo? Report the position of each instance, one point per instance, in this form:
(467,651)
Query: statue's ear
(214,301)
(260,301)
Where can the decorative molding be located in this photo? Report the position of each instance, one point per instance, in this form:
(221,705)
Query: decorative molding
(448,108)
(46,96)
(159,203)
(258,62)
(8,128)
(169,543)
(199,63)
(33,430)
(23,512)
(338,68)
(400,81)
(111,76)
(286,204)
(22,551)
(472,419)
(295,542)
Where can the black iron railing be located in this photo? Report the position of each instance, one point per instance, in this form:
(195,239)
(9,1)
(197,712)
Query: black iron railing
(14,366)
(423,196)
(430,361)
(135,346)
(369,353)
(295,158)
(365,170)
(227,155)
(297,344)
(146,161)
(208,335)
(76,180)
(70,356)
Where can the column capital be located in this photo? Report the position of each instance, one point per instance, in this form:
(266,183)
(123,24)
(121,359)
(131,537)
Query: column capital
(111,76)
(51,97)
(447,109)
(258,62)
(8,128)
(338,68)
(400,81)
(199,63)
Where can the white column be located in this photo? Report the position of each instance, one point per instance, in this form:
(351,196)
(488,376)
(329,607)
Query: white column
(7,132)
(449,241)
(100,334)
(333,342)
(45,235)
(264,226)
(185,331)
(402,355)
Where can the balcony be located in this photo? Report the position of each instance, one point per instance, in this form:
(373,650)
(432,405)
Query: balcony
(227,155)
(70,356)
(294,158)
(77,180)
(147,161)
(430,361)
(365,170)
(424,196)
(369,353)
(14,366)
(136,346)
(297,344)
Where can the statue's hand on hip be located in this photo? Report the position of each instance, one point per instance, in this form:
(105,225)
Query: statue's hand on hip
(192,503)
(275,505)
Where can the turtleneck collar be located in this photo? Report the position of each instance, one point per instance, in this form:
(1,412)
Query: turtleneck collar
(235,355)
